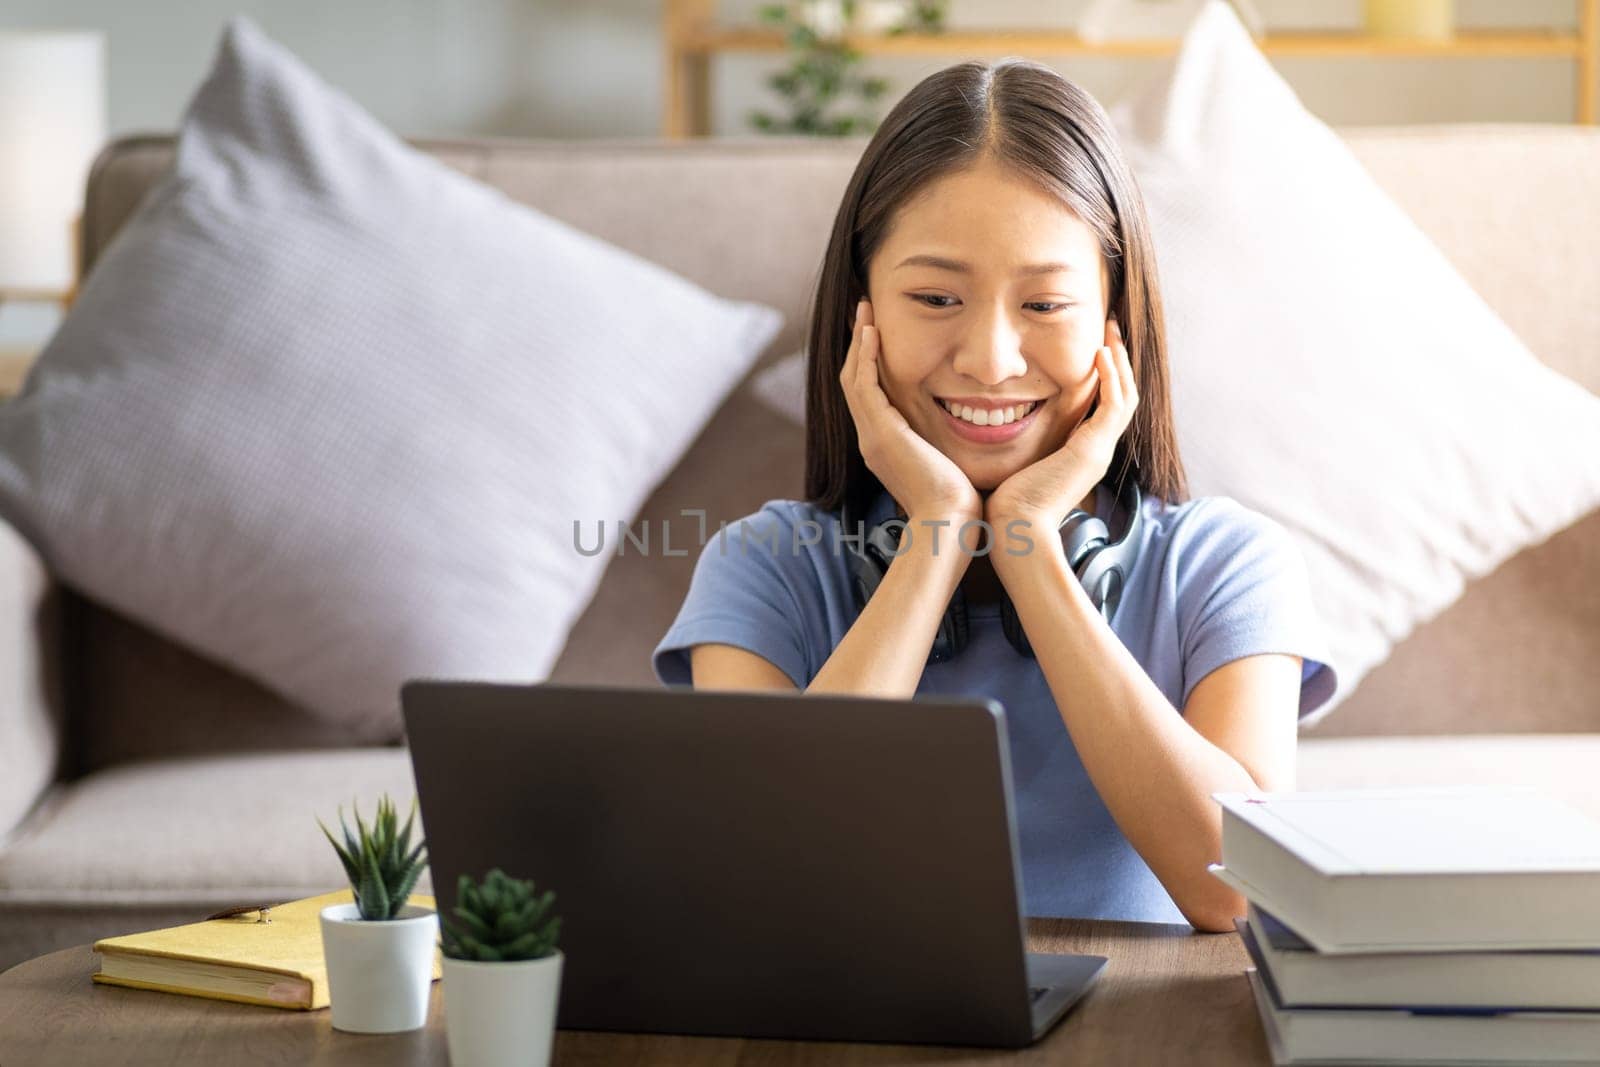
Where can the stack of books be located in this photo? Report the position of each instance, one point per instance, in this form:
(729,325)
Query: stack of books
(1456,925)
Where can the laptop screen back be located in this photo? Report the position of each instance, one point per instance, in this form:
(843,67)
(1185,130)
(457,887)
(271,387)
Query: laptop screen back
(741,863)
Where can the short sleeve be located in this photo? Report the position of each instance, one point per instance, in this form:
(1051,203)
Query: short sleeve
(742,594)
(1244,591)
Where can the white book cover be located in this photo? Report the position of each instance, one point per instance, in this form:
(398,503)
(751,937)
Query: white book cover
(1428,869)
(1343,1036)
(1504,981)
(1432,830)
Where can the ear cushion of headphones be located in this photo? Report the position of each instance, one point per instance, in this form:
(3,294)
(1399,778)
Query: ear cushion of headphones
(1104,570)
(1096,567)
(862,585)
(1081,534)
(1108,592)
(1012,627)
(865,575)
(865,572)
(867,569)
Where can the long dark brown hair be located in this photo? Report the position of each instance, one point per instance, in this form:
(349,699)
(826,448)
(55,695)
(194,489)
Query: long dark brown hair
(1032,119)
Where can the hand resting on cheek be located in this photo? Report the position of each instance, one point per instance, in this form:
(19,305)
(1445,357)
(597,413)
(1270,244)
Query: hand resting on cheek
(926,483)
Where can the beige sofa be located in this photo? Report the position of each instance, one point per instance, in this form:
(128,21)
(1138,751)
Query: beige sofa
(141,785)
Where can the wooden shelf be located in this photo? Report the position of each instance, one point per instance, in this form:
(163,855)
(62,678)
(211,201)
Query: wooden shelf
(36,296)
(1064,43)
(692,39)
(1464,43)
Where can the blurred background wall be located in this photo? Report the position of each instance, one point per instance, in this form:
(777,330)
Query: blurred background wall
(593,68)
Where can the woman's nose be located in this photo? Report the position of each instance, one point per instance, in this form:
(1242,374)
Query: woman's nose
(991,351)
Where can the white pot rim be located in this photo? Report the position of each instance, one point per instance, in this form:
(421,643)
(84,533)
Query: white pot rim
(479,965)
(350,914)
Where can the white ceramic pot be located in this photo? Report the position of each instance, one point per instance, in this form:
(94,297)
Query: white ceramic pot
(501,1014)
(379,973)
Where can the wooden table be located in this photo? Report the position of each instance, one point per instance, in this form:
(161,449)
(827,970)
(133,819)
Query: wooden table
(1168,996)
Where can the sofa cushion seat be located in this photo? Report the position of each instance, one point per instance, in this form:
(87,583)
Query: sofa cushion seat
(216,831)
(238,829)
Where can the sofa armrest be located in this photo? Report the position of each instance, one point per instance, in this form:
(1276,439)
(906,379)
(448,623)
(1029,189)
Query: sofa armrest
(30,695)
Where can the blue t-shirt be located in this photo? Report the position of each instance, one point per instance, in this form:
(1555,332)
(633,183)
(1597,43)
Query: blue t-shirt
(1213,582)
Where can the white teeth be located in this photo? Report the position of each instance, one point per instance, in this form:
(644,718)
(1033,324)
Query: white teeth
(986,417)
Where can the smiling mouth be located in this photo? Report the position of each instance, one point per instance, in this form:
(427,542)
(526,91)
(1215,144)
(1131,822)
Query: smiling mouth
(1002,416)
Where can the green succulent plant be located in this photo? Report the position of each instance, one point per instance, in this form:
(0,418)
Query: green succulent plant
(501,920)
(381,862)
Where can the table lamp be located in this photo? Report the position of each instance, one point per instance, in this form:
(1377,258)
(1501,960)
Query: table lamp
(52,122)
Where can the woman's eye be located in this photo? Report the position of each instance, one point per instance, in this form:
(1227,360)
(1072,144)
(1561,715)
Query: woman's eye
(940,300)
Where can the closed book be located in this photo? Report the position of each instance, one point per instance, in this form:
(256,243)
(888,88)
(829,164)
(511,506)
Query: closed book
(1524,980)
(1417,870)
(1302,1036)
(277,963)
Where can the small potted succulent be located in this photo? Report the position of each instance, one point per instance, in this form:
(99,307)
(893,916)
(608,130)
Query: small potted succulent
(380,949)
(502,973)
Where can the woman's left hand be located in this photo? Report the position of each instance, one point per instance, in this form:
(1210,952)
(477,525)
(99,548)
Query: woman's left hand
(1045,492)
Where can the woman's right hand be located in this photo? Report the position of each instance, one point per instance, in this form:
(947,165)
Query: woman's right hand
(925,482)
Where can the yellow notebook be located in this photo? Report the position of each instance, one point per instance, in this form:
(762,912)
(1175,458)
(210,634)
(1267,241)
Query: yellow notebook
(277,963)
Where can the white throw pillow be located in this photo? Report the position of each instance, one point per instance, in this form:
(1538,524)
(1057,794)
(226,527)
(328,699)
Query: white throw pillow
(327,410)
(1330,368)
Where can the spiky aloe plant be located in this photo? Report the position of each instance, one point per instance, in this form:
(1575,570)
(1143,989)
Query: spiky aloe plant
(381,862)
(499,921)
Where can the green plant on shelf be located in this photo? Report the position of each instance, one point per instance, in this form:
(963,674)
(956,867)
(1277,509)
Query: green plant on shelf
(823,84)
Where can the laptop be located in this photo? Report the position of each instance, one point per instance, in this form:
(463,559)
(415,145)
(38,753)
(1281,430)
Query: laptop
(749,864)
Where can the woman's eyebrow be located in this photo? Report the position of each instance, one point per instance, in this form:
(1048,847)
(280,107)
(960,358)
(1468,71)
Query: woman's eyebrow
(959,267)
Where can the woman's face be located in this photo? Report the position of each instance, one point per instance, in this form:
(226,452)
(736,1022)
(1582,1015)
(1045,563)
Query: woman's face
(987,292)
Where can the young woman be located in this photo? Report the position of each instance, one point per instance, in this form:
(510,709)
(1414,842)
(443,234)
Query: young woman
(988,362)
